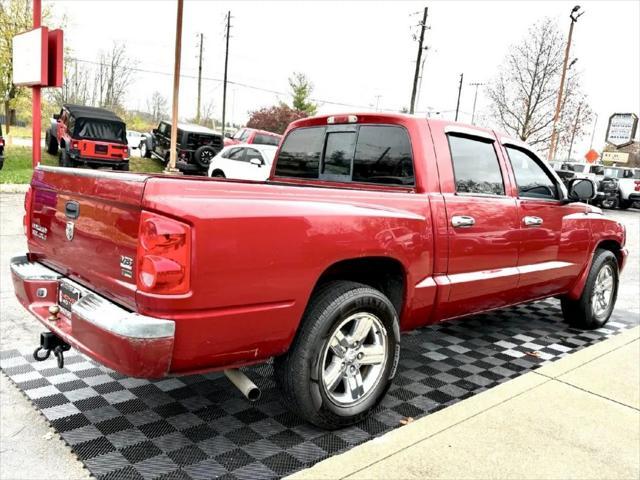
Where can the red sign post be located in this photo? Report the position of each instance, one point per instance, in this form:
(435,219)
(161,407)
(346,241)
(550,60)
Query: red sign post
(37,63)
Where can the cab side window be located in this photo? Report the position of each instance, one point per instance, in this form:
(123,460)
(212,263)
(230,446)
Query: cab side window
(532,179)
(475,166)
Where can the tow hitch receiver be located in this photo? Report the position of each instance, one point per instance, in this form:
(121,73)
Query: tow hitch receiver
(49,342)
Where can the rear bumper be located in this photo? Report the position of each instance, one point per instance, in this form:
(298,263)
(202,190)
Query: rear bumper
(103,162)
(634,197)
(132,344)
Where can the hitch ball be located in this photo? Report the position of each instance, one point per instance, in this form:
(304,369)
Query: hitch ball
(54,310)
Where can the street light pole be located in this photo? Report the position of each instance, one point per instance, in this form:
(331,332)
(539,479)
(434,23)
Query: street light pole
(595,122)
(574,15)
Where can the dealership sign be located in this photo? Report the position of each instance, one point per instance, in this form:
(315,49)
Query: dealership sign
(615,157)
(37,58)
(622,129)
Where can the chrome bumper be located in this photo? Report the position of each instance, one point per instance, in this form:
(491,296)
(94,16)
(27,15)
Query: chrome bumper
(97,310)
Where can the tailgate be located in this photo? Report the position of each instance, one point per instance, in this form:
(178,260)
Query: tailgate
(84,224)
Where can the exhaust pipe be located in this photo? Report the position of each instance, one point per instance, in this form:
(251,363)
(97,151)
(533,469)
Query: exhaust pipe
(244,384)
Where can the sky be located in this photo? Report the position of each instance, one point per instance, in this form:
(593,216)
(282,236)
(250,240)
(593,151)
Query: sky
(360,54)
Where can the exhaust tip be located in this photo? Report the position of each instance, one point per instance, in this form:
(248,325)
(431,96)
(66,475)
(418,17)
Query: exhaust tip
(244,384)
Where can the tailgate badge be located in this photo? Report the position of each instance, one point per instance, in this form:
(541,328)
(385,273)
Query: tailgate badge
(69,230)
(126,266)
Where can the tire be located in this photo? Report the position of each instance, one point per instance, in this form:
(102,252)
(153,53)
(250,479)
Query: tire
(586,312)
(303,372)
(609,203)
(218,174)
(624,204)
(52,144)
(64,160)
(144,150)
(203,156)
(122,167)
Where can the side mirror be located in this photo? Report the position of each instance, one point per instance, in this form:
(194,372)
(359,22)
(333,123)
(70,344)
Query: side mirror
(255,161)
(228,134)
(581,190)
(56,116)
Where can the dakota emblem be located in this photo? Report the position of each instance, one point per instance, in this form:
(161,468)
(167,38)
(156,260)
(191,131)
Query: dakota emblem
(69,230)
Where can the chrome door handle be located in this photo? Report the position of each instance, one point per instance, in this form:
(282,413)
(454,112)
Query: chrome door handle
(532,221)
(462,221)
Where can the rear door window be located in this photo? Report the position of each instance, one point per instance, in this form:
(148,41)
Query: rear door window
(379,154)
(475,166)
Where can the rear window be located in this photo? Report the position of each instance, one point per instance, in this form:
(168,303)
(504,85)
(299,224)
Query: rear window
(261,139)
(379,154)
(475,166)
(99,130)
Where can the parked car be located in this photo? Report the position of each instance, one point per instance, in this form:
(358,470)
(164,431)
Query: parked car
(196,146)
(243,162)
(88,136)
(134,139)
(1,148)
(584,170)
(370,224)
(628,181)
(253,136)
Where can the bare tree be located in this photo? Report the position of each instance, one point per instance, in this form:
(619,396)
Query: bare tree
(112,76)
(157,106)
(524,92)
(75,87)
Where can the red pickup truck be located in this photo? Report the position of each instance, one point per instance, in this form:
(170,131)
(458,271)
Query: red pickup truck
(369,225)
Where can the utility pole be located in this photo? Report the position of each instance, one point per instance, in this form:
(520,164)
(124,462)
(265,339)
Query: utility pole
(36,102)
(417,72)
(171,167)
(378,102)
(459,93)
(420,79)
(574,15)
(595,122)
(226,64)
(475,98)
(573,133)
(199,80)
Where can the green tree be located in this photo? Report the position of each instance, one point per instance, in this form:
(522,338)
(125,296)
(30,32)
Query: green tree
(301,88)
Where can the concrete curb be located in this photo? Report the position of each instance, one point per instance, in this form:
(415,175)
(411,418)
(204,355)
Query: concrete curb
(13,187)
(362,456)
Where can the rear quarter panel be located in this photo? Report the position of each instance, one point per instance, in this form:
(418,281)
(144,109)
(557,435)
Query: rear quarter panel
(258,251)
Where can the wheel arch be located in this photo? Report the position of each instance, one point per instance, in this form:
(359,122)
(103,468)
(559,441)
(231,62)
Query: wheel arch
(610,244)
(386,274)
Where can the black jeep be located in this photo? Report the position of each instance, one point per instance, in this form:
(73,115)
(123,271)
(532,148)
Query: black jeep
(196,146)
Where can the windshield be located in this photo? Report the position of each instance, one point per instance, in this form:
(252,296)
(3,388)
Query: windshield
(573,167)
(614,172)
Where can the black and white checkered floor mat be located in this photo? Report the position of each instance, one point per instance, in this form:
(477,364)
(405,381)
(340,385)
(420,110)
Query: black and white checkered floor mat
(200,427)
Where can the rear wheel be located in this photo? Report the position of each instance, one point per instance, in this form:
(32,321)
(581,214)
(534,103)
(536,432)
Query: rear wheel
(344,356)
(594,307)
(144,151)
(64,160)
(52,144)
(218,174)
(609,203)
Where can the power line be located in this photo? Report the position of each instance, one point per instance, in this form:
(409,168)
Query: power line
(231,82)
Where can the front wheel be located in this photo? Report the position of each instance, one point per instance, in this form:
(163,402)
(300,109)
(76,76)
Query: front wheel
(344,356)
(595,305)
(609,203)
(144,151)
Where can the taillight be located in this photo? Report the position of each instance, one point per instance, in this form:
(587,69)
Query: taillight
(26,219)
(637,187)
(1,142)
(75,145)
(164,255)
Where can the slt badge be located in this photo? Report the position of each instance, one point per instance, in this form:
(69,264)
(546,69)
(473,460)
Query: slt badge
(69,230)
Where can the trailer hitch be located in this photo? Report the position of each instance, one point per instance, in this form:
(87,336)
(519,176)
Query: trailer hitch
(50,342)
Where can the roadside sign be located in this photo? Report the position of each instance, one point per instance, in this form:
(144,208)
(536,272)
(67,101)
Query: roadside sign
(31,57)
(37,58)
(615,157)
(591,156)
(622,129)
